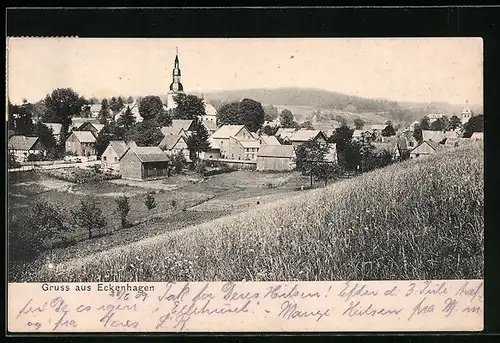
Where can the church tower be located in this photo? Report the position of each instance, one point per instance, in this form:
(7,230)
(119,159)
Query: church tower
(466,113)
(176,85)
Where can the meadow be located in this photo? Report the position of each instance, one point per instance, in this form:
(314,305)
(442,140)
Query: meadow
(419,219)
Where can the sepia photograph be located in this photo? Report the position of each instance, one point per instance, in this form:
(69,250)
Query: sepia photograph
(244,159)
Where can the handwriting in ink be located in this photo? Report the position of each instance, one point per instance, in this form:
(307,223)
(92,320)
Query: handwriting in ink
(289,310)
(421,309)
(28,308)
(355,309)
(356,290)
(278,292)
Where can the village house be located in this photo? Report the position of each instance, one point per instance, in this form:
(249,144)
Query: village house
(179,127)
(173,144)
(477,136)
(82,143)
(213,153)
(110,158)
(403,144)
(76,122)
(302,136)
(141,163)
(22,146)
(211,113)
(56,130)
(243,149)
(276,158)
(223,136)
(92,127)
(95,109)
(285,133)
(435,136)
(434,116)
(426,148)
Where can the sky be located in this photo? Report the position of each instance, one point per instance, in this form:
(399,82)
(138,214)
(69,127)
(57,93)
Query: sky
(403,69)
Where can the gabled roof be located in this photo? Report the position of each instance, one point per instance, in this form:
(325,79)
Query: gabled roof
(210,110)
(435,136)
(213,143)
(210,125)
(270,140)
(451,134)
(56,127)
(98,127)
(78,121)
(227,131)
(305,135)
(248,143)
(285,132)
(178,125)
(379,127)
(283,151)
(169,141)
(120,147)
(432,144)
(22,142)
(149,154)
(84,136)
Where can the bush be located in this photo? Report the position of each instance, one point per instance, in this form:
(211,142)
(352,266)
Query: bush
(201,168)
(35,158)
(123,207)
(179,162)
(149,201)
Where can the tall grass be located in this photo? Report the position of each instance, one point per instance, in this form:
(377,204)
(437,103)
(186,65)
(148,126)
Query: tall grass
(420,219)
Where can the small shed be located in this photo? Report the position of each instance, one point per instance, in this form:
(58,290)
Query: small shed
(141,163)
(110,158)
(276,158)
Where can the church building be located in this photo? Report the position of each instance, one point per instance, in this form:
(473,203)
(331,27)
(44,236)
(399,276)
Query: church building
(466,113)
(176,85)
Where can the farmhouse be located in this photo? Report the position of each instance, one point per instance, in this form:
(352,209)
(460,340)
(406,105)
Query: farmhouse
(173,144)
(213,153)
(435,136)
(92,127)
(242,149)
(23,146)
(276,158)
(222,137)
(110,158)
(178,127)
(477,136)
(303,136)
(425,148)
(81,143)
(56,130)
(140,163)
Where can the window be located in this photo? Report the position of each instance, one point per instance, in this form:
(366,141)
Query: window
(104,158)
(221,142)
(210,156)
(116,159)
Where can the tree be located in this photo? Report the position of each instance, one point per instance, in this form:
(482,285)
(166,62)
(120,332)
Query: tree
(388,131)
(417,133)
(130,100)
(270,113)
(145,133)
(384,158)
(251,114)
(23,121)
(179,162)
(104,115)
(12,161)
(189,107)
(228,114)
(198,140)
(359,123)
(164,117)
(149,201)
(46,136)
(307,125)
(269,131)
(150,107)
(368,158)
(455,123)
(110,132)
(89,216)
(440,124)
(326,170)
(286,119)
(126,121)
(123,208)
(86,112)
(475,124)
(308,155)
(342,120)
(350,157)
(62,104)
(116,104)
(425,124)
(342,136)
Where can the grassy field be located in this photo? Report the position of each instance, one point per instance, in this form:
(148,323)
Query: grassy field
(420,219)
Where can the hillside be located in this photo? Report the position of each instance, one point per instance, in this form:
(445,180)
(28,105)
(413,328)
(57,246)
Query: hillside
(419,219)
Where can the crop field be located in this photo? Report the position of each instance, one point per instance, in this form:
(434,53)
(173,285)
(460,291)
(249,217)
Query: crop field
(419,219)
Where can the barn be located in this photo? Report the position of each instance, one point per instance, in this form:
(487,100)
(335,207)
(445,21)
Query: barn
(141,163)
(276,158)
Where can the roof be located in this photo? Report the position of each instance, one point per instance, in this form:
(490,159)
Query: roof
(283,151)
(213,143)
(210,110)
(95,108)
(56,127)
(451,134)
(378,127)
(270,140)
(248,143)
(285,132)
(477,135)
(436,136)
(22,142)
(149,154)
(169,141)
(98,127)
(78,121)
(305,135)
(178,125)
(358,133)
(435,115)
(84,136)
(210,125)
(120,147)
(227,131)
(432,144)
